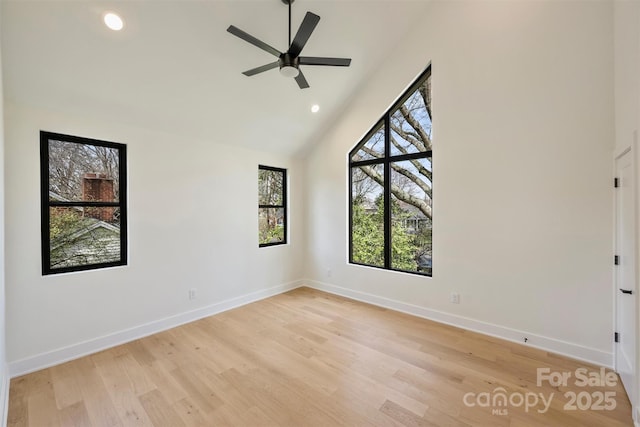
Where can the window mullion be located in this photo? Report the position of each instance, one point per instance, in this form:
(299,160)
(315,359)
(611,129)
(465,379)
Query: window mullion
(350,212)
(285,225)
(122,198)
(387,192)
(44,205)
(81,203)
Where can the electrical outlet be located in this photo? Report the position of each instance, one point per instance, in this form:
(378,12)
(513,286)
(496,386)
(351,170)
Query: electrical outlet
(329,272)
(192,293)
(454,298)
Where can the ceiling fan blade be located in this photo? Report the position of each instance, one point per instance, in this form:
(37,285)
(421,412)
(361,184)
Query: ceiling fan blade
(257,70)
(254,41)
(304,32)
(336,62)
(302,82)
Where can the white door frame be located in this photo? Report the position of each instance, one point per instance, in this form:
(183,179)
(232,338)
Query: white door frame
(632,150)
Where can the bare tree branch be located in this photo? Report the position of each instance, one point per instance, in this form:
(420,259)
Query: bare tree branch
(411,137)
(412,200)
(372,153)
(413,177)
(424,137)
(401,195)
(425,92)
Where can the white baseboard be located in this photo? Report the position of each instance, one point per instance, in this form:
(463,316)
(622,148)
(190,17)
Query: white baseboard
(572,350)
(61,355)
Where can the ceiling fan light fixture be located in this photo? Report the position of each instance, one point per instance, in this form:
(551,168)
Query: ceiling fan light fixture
(289,71)
(113,21)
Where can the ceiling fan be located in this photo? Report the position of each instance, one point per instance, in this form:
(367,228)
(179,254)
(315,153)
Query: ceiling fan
(290,61)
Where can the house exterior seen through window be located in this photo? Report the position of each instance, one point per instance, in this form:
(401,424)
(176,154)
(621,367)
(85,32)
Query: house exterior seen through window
(272,206)
(83,202)
(391,184)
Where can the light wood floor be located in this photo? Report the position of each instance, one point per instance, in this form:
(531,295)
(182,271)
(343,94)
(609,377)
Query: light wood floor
(306,358)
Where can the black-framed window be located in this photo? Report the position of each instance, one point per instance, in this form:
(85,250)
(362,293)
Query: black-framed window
(272,206)
(391,187)
(83,186)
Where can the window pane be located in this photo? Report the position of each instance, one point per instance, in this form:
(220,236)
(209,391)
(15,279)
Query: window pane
(82,172)
(411,215)
(411,123)
(367,220)
(271,225)
(270,187)
(373,148)
(83,236)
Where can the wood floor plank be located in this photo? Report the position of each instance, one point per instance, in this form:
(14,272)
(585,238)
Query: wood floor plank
(159,410)
(94,395)
(308,358)
(75,415)
(264,398)
(404,416)
(122,390)
(42,409)
(65,385)
(199,392)
(19,390)
(163,381)
(189,413)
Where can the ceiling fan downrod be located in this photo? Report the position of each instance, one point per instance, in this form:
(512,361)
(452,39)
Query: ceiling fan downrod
(289,3)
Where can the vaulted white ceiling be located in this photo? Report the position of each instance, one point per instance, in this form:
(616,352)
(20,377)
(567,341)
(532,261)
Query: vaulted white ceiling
(175,69)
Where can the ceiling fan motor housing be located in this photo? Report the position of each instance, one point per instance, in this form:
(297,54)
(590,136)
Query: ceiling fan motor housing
(289,65)
(288,60)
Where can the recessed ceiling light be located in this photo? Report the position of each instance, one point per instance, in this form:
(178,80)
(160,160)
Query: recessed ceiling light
(315,108)
(113,21)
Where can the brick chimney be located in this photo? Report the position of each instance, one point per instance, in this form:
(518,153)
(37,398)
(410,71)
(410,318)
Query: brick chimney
(97,187)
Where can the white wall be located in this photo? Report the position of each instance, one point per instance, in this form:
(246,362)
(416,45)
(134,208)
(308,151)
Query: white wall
(4,377)
(523,141)
(627,71)
(192,224)
(627,100)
